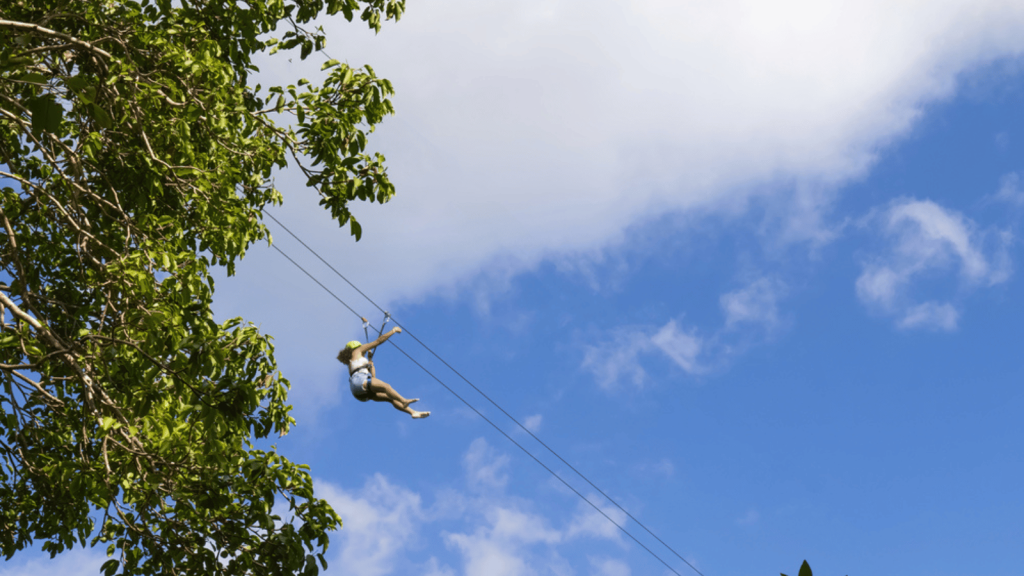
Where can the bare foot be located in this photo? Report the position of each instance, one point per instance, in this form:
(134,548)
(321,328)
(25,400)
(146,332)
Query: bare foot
(416,414)
(412,401)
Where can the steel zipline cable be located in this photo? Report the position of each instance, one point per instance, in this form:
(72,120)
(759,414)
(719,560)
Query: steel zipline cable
(489,399)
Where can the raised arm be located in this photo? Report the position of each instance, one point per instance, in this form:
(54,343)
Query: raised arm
(383,338)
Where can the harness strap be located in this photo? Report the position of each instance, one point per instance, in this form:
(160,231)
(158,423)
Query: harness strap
(387,318)
(363,367)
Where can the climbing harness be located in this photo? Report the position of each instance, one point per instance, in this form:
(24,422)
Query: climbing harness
(366,331)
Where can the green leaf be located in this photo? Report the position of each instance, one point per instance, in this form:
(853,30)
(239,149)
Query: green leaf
(46,115)
(77,83)
(101,116)
(33,77)
(805,569)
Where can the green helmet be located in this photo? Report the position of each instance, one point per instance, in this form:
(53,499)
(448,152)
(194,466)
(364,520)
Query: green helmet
(353,345)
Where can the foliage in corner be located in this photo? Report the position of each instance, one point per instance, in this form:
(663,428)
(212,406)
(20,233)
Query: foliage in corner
(135,156)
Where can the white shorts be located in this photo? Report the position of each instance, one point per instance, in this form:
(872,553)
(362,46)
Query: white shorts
(359,384)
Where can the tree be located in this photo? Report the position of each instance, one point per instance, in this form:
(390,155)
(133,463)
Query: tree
(136,156)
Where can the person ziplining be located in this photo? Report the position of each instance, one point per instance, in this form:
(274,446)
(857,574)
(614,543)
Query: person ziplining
(364,386)
(363,381)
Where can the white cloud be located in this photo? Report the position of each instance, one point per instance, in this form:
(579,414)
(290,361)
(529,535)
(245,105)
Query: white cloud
(617,357)
(1010,189)
(484,556)
(539,129)
(925,239)
(491,532)
(931,315)
(879,285)
(928,234)
(75,562)
(434,568)
(380,521)
(757,303)
(681,346)
(485,467)
(589,522)
(532,423)
(617,360)
(609,567)
(510,541)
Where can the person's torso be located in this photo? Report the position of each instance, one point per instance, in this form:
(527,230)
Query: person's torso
(358,364)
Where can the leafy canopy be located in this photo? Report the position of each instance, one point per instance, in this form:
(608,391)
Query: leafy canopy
(135,156)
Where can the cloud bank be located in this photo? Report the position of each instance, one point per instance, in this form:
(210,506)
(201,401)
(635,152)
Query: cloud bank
(545,129)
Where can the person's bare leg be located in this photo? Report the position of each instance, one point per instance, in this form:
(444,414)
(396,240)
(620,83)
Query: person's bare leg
(384,392)
(382,397)
(379,386)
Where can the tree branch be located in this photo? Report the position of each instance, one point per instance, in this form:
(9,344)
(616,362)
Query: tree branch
(19,313)
(11,24)
(39,387)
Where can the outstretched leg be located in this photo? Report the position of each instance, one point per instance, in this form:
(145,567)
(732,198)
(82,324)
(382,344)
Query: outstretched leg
(384,392)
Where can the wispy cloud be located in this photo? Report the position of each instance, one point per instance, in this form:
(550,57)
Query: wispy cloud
(589,522)
(532,423)
(485,468)
(681,346)
(497,547)
(617,358)
(933,315)
(609,567)
(925,239)
(434,568)
(1010,190)
(494,533)
(381,520)
(511,539)
(757,303)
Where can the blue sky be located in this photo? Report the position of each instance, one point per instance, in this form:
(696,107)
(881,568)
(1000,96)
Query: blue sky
(750,267)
